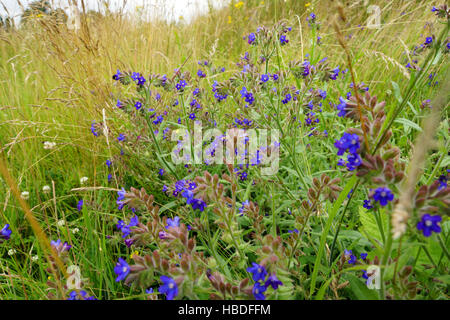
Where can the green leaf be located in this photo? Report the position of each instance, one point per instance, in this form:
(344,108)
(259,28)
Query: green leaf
(360,289)
(369,223)
(397,93)
(408,124)
(336,206)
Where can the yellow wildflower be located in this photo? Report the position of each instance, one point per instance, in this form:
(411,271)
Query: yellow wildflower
(239,4)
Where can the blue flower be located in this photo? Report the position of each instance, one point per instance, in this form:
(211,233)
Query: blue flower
(117,75)
(383,195)
(428,40)
(363,256)
(80,205)
(161,172)
(134,221)
(93,129)
(442,182)
(121,196)
(429,224)
(108,163)
(5,233)
(251,38)
(283,40)
(59,246)
(122,269)
(201,74)
(258,272)
(258,290)
(341,107)
(181,85)
(334,73)
(198,204)
(264,78)
(169,287)
(121,137)
(348,142)
(73,295)
(192,116)
(138,105)
(140,81)
(273,281)
(349,254)
(354,160)
(173,223)
(368,204)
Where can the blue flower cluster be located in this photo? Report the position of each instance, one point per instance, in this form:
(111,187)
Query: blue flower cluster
(259,274)
(349,142)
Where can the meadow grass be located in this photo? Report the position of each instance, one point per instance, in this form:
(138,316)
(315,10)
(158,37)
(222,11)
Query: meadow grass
(56,81)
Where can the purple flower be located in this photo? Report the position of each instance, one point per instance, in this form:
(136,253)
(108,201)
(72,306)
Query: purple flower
(273,281)
(264,78)
(169,287)
(181,85)
(251,38)
(334,73)
(354,160)
(341,107)
(368,204)
(122,269)
(117,75)
(59,246)
(258,290)
(349,254)
(173,223)
(93,129)
(80,205)
(429,224)
(283,40)
(383,195)
(121,137)
(5,233)
(134,221)
(201,74)
(348,142)
(442,182)
(198,204)
(258,272)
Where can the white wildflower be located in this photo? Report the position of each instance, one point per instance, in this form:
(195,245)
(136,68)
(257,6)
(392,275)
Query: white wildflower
(49,145)
(11,252)
(61,223)
(25,195)
(76,230)
(83,180)
(46,189)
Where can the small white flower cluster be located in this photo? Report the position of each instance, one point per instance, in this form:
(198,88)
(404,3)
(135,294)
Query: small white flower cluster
(48,145)
(46,189)
(25,195)
(83,180)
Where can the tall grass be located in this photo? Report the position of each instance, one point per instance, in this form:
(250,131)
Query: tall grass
(55,81)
